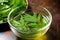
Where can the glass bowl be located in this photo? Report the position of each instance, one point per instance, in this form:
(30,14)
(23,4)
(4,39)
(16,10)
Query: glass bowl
(29,33)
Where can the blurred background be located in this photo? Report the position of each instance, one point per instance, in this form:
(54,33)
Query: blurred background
(54,7)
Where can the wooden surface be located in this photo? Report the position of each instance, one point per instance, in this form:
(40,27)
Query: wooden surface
(54,32)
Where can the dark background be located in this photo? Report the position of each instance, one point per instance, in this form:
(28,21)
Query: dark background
(54,7)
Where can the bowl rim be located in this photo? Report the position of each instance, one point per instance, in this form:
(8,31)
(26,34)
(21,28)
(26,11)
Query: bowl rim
(46,26)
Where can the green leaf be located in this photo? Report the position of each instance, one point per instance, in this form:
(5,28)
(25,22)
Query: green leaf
(29,18)
(44,20)
(22,21)
(7,5)
(3,1)
(23,24)
(16,23)
(38,17)
(1,21)
(30,23)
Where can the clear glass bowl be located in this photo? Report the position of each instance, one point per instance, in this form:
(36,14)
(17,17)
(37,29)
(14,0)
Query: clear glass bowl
(16,13)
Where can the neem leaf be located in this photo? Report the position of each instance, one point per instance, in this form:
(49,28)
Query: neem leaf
(1,21)
(23,24)
(3,1)
(23,2)
(12,2)
(16,23)
(44,20)
(33,25)
(29,18)
(22,21)
(3,7)
(28,23)
(8,5)
(38,17)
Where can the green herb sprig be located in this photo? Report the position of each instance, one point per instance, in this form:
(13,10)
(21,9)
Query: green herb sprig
(7,5)
(29,23)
